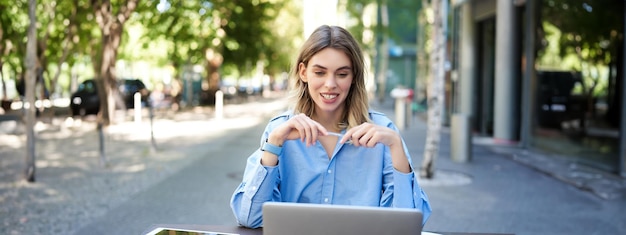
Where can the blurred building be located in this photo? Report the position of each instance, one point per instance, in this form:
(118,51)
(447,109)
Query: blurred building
(543,74)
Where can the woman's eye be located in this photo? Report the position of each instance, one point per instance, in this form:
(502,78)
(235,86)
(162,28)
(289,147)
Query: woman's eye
(342,75)
(319,73)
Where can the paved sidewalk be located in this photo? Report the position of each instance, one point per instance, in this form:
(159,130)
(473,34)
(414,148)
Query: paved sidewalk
(501,190)
(601,183)
(72,189)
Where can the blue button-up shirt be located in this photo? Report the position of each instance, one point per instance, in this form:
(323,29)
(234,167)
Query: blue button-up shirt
(352,176)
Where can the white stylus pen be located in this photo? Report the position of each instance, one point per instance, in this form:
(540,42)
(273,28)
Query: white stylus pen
(349,141)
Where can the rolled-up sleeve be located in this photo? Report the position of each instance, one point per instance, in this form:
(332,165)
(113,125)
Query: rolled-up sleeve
(407,191)
(421,200)
(257,187)
(403,189)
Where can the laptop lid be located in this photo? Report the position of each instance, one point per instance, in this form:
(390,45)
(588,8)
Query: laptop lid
(283,218)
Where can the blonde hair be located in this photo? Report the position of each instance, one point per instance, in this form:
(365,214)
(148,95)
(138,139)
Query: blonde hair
(356,105)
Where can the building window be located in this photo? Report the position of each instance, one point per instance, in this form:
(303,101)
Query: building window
(578,63)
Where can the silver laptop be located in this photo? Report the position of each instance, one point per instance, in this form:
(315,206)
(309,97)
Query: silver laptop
(282,218)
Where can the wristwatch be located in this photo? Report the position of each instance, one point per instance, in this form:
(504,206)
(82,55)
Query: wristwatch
(276,150)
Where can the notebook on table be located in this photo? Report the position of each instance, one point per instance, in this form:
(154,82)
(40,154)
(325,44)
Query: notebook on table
(284,218)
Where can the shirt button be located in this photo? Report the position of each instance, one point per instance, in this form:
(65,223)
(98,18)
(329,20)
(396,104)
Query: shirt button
(330,171)
(326,200)
(253,188)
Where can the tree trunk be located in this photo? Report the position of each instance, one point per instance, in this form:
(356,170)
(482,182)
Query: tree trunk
(111,27)
(435,87)
(31,74)
(107,76)
(214,61)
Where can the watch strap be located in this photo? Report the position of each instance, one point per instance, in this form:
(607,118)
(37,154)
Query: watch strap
(268,147)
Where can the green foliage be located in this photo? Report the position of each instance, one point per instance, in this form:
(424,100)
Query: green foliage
(63,25)
(284,37)
(356,8)
(13,25)
(246,26)
(163,33)
(241,31)
(186,26)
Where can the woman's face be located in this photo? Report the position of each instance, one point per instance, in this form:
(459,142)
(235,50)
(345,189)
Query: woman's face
(329,77)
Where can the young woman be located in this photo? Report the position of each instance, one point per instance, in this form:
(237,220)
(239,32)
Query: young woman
(330,148)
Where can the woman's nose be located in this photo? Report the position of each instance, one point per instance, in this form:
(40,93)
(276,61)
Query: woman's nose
(330,81)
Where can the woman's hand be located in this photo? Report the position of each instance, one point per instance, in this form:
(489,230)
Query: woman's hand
(368,135)
(298,127)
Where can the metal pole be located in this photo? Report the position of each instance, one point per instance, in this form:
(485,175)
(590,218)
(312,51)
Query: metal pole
(103,157)
(137,106)
(529,75)
(219,104)
(152,140)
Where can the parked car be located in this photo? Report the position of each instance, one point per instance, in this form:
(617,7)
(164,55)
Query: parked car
(86,101)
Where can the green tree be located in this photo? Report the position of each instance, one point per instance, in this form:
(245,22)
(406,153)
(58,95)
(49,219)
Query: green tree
(13,25)
(283,36)
(70,32)
(27,51)
(5,46)
(111,16)
(64,27)
(217,34)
